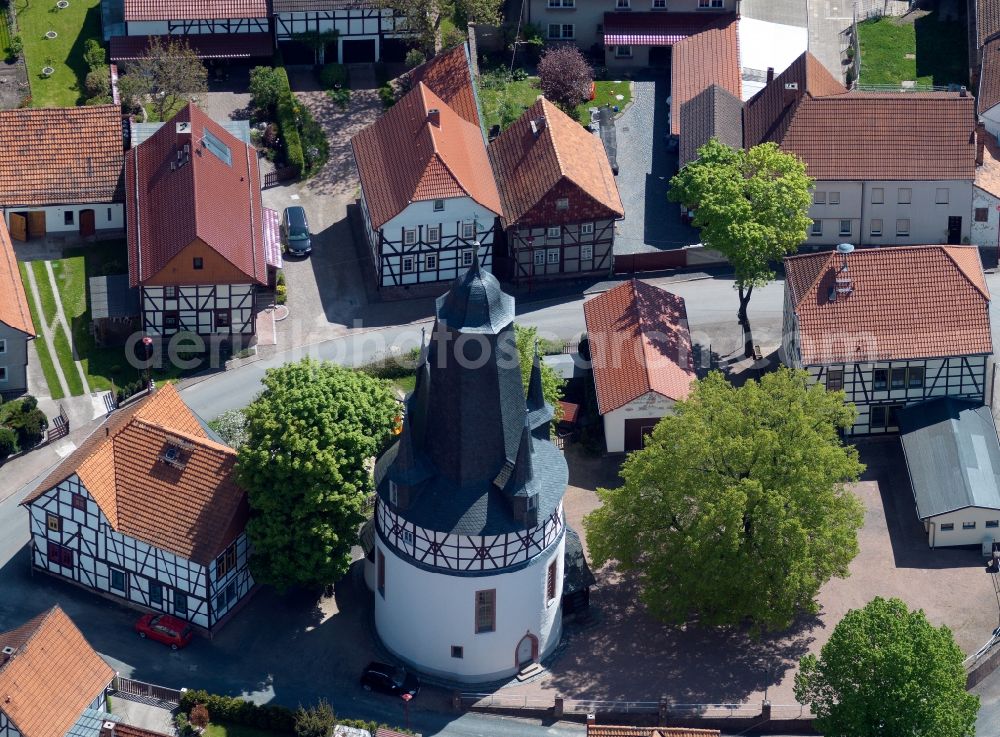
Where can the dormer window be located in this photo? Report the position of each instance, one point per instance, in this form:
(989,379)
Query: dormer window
(531,503)
(393,493)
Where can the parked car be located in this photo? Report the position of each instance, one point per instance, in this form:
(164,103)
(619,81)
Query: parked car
(295,231)
(166,629)
(390,679)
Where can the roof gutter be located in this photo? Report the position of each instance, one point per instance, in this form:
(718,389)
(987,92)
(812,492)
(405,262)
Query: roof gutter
(138,226)
(253,230)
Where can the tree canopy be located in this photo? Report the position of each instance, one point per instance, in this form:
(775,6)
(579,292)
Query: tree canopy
(305,462)
(168,72)
(887,671)
(425,18)
(752,206)
(552,383)
(736,509)
(565,77)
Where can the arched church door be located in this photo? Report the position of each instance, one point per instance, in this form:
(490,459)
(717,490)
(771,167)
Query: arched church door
(527,650)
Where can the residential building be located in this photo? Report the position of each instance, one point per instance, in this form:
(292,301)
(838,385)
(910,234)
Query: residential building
(52,683)
(597,24)
(988,97)
(953,459)
(428,196)
(61,170)
(201,244)
(147,511)
(640,350)
(890,327)
(985,227)
(712,113)
(16,327)
(890,168)
(560,200)
(220,29)
(984,26)
(366,31)
(470,533)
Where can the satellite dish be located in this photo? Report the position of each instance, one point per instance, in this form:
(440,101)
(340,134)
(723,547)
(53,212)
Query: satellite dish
(172,454)
(845,248)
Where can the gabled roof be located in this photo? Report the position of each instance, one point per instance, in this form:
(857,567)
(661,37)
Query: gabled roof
(51,678)
(194,511)
(528,166)
(13,300)
(403,157)
(53,156)
(449,76)
(639,343)
(206,198)
(907,302)
(711,56)
(987,20)
(952,455)
(713,113)
(989,77)
(139,10)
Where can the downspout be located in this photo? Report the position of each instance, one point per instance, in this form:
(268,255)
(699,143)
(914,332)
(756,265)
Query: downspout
(861,232)
(138,226)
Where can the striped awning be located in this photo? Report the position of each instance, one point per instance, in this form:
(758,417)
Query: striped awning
(272,238)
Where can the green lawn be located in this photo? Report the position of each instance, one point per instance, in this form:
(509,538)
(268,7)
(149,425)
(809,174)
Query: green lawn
(60,341)
(606,93)
(73,26)
(44,357)
(938,48)
(235,730)
(503,105)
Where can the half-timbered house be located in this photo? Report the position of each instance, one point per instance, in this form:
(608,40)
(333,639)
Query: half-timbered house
(146,510)
(560,200)
(428,196)
(366,30)
(16,326)
(198,248)
(52,683)
(890,327)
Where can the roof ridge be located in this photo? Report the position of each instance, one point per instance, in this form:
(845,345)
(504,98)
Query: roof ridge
(951,257)
(552,138)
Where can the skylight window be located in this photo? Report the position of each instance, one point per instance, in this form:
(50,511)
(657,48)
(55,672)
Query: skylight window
(217,147)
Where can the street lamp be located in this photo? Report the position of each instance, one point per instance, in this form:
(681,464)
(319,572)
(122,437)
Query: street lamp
(147,344)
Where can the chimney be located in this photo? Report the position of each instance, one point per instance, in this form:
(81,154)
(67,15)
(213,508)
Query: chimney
(980,143)
(183,134)
(963,92)
(791,92)
(434,117)
(591,720)
(770,75)
(6,654)
(537,126)
(107,729)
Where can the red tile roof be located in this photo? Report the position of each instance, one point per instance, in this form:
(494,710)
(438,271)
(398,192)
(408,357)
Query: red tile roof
(449,76)
(907,302)
(53,676)
(639,343)
(711,56)
(205,46)
(527,166)
(139,10)
(194,511)
(13,301)
(206,198)
(989,77)
(987,20)
(653,29)
(402,157)
(61,156)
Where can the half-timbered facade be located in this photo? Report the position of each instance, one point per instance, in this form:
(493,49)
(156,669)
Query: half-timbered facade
(890,327)
(560,200)
(52,683)
(198,248)
(146,510)
(366,31)
(428,196)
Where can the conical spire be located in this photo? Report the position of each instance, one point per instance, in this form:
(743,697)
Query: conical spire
(536,397)
(476,303)
(522,478)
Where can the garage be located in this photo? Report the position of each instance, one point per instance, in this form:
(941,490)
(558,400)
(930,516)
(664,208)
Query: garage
(360,51)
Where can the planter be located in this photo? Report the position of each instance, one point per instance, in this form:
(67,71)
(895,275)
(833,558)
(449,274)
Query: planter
(48,71)
(62,4)
(51,35)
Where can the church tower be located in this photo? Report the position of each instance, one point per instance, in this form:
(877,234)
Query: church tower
(470,531)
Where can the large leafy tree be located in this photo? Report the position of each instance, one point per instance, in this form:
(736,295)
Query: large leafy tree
(887,671)
(426,17)
(752,206)
(167,72)
(565,77)
(736,509)
(305,462)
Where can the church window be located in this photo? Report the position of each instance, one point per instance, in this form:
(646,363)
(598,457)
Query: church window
(381,574)
(457,651)
(550,582)
(53,522)
(393,493)
(486,611)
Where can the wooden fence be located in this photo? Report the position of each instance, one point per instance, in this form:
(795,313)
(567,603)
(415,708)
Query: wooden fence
(284,174)
(126,687)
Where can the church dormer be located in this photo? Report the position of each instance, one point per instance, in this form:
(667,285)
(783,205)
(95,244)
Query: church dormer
(540,414)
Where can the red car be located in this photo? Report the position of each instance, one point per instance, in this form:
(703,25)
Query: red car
(166,629)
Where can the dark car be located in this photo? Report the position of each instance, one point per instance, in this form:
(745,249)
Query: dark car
(295,231)
(166,629)
(390,679)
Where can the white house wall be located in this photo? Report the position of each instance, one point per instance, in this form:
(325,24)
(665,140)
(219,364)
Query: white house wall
(969,527)
(649,405)
(106,216)
(986,233)
(991,118)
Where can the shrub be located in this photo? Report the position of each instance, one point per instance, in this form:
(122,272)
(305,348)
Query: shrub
(98,82)
(414,58)
(315,146)
(341,96)
(452,36)
(199,716)
(238,711)
(565,76)
(266,87)
(288,115)
(387,95)
(316,721)
(16,47)
(8,443)
(29,403)
(280,294)
(333,75)
(29,426)
(280,279)
(94,54)
(183,725)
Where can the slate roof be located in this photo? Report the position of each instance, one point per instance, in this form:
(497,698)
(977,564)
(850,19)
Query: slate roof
(988,174)
(194,512)
(989,77)
(476,303)
(639,343)
(61,156)
(13,301)
(142,10)
(527,166)
(204,45)
(711,56)
(53,676)
(987,20)
(713,113)
(206,198)
(601,730)
(653,29)
(449,76)
(908,302)
(952,455)
(403,157)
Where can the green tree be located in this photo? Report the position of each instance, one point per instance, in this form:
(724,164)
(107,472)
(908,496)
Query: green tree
(8,443)
(565,77)
(552,384)
(310,435)
(168,72)
(232,427)
(266,86)
(736,509)
(752,206)
(887,671)
(424,18)
(94,54)
(316,721)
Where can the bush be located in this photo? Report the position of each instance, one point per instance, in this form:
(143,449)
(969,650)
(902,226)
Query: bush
(316,721)
(387,95)
(315,146)
(266,87)
(341,96)
(280,294)
(199,716)
(8,443)
(182,724)
(29,403)
(333,75)
(94,54)
(29,426)
(414,58)
(288,113)
(16,47)
(452,36)
(238,711)
(98,82)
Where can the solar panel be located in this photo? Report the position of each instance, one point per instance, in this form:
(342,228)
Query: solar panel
(217,147)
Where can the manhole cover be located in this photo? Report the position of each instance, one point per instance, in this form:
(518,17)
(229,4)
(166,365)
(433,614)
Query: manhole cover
(51,34)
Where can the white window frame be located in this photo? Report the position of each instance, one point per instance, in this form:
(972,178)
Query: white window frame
(902,231)
(3,375)
(553,232)
(566,31)
(408,260)
(552,256)
(562,203)
(3,345)
(623,4)
(710,4)
(467,257)
(875,231)
(904,196)
(468,230)
(819,198)
(586,253)
(817,228)
(438,205)
(833,198)
(658,4)
(430,261)
(586,228)
(111,585)
(409,236)
(975,214)
(848,230)
(539,257)
(433,233)
(622,51)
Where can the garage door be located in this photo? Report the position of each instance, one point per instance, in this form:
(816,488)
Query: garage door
(636,432)
(359,52)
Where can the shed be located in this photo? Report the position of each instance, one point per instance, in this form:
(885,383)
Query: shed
(114,308)
(953,458)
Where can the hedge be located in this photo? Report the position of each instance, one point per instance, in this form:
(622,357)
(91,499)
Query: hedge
(287,109)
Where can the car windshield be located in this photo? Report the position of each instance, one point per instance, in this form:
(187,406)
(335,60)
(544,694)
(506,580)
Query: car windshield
(297,235)
(155,620)
(186,631)
(398,677)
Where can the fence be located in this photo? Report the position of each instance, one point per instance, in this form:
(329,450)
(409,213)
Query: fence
(284,174)
(126,687)
(60,425)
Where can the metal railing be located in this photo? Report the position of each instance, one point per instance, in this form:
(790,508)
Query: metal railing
(747,710)
(128,687)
